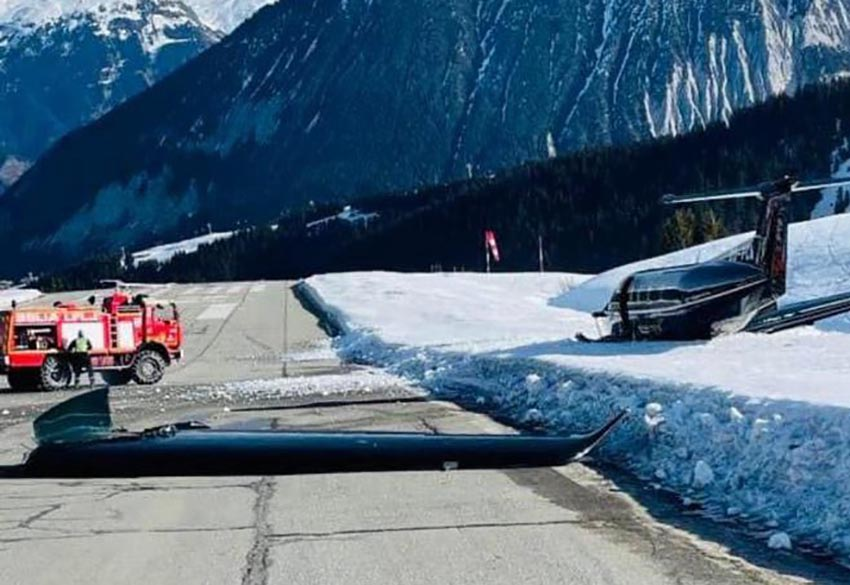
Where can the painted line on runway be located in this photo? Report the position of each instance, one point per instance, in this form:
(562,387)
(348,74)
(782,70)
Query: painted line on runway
(207,300)
(217,311)
(258,288)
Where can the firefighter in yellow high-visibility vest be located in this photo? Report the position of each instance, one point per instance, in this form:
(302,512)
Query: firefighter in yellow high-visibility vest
(80,350)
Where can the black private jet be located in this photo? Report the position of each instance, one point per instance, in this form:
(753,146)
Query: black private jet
(735,292)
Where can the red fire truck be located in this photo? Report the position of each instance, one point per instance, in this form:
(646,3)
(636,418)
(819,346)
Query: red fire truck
(132,339)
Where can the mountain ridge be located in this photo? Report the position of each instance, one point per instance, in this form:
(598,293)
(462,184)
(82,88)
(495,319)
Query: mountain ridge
(334,100)
(220,15)
(591,210)
(66,62)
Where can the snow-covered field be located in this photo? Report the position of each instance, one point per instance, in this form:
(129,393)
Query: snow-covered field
(165,252)
(750,427)
(18,295)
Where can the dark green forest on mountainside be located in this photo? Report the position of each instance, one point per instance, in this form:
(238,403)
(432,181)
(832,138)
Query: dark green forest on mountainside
(593,209)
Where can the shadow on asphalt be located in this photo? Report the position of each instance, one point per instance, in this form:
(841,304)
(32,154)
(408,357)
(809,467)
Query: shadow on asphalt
(667,508)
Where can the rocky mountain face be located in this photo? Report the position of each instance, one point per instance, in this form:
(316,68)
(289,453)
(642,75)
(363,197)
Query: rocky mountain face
(66,62)
(339,98)
(62,73)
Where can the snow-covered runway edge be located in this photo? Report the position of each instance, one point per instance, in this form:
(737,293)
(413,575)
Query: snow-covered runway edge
(778,466)
(17,295)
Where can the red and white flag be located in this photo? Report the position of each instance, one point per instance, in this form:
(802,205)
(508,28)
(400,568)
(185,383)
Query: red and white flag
(490,244)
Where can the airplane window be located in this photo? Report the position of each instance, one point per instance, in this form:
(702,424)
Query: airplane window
(670,295)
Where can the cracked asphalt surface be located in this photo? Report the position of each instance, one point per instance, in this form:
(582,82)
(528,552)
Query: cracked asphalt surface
(567,525)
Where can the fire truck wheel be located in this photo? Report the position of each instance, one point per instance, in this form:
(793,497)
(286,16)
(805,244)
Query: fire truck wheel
(148,367)
(55,373)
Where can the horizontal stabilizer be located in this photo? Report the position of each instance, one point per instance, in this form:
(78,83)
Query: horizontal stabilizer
(798,314)
(786,185)
(817,185)
(671,199)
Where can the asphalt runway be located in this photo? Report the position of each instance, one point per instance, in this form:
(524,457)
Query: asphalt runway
(253,355)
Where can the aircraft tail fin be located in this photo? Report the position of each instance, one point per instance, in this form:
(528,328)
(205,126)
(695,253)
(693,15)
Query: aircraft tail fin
(769,249)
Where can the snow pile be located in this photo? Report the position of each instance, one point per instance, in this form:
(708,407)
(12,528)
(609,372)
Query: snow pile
(165,252)
(750,427)
(359,382)
(18,295)
(313,352)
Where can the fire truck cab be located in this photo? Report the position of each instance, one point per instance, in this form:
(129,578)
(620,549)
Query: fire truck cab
(132,339)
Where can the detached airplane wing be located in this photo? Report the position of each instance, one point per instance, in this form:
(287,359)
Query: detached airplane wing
(188,449)
(798,314)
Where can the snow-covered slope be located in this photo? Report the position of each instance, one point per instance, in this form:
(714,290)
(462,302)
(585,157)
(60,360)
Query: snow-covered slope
(226,15)
(219,15)
(165,252)
(17,295)
(66,62)
(751,427)
(63,64)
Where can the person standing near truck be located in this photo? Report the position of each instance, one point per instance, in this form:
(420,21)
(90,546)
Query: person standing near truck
(80,350)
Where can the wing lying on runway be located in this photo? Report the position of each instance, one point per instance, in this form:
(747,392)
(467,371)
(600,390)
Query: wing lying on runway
(197,450)
(802,313)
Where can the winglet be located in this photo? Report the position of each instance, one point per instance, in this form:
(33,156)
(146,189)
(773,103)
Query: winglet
(83,418)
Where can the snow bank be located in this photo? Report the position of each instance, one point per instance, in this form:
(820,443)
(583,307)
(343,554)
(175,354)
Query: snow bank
(359,382)
(18,295)
(165,252)
(749,427)
(463,310)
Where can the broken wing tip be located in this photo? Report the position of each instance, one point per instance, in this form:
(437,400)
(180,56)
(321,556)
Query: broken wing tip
(596,437)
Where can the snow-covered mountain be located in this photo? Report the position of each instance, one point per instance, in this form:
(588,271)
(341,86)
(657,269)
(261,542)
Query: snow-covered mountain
(66,62)
(219,15)
(338,98)
(225,15)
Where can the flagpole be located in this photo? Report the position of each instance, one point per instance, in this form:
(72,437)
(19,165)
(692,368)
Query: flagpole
(540,252)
